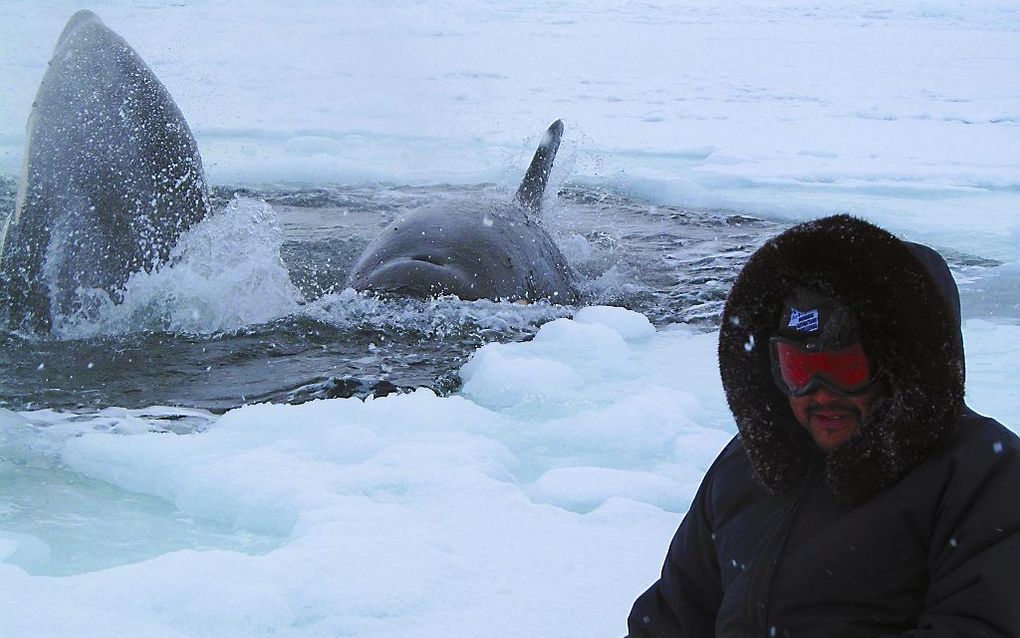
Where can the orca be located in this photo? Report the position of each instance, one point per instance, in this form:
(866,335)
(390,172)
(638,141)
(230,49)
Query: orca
(500,252)
(111,179)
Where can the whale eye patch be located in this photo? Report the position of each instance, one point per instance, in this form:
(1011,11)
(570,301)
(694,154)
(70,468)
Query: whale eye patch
(799,371)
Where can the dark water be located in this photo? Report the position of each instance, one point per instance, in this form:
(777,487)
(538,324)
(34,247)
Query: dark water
(672,264)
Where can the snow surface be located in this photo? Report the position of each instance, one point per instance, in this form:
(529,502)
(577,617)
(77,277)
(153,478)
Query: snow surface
(540,500)
(906,112)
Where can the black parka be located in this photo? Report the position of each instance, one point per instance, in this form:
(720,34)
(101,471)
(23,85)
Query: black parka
(910,528)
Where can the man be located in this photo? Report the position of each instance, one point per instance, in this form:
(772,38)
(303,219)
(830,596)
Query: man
(862,497)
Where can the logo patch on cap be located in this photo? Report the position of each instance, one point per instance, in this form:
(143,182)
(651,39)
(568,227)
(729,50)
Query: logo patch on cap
(803,320)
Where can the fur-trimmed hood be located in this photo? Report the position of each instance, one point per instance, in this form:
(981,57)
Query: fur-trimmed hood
(908,308)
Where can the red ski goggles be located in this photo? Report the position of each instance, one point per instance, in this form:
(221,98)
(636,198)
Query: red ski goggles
(799,371)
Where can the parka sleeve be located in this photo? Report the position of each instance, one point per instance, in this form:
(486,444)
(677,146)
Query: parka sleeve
(685,600)
(974,558)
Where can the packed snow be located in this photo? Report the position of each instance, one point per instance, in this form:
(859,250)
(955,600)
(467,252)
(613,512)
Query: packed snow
(540,499)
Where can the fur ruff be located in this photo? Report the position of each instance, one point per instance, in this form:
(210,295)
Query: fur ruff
(908,327)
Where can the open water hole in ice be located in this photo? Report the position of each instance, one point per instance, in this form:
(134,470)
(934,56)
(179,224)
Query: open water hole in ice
(216,336)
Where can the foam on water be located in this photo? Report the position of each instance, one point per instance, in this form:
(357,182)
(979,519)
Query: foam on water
(438,317)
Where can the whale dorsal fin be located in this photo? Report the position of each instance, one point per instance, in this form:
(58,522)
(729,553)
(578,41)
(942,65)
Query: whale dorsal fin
(529,193)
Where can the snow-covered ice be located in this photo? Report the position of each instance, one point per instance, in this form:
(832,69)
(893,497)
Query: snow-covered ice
(906,112)
(541,498)
(533,509)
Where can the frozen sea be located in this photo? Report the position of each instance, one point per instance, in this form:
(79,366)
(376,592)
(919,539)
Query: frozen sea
(172,470)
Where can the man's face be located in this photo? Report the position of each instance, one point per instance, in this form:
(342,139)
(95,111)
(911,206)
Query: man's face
(831,418)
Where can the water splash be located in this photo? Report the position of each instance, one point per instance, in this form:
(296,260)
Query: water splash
(430,318)
(224,274)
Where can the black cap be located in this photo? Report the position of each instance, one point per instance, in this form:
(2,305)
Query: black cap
(817,321)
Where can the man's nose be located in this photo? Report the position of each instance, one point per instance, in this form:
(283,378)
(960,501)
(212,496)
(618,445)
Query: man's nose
(824,395)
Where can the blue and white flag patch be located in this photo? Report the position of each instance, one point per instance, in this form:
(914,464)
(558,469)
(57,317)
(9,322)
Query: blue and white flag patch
(803,320)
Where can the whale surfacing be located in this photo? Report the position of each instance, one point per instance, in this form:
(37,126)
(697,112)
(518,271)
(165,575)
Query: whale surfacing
(111,178)
(499,253)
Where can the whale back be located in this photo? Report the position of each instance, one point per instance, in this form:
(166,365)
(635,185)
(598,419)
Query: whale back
(111,178)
